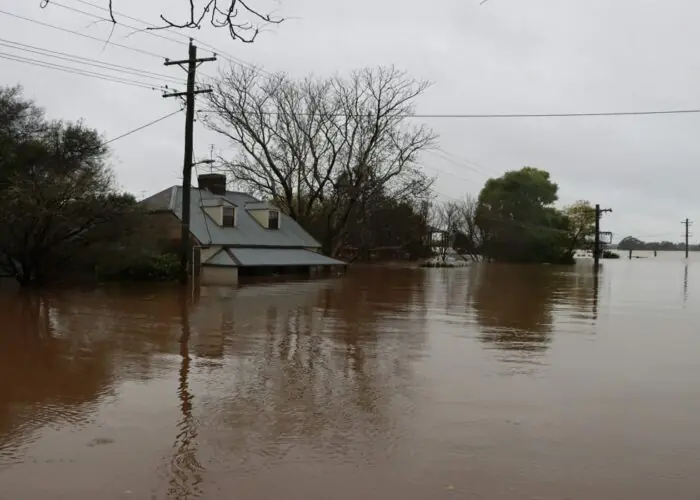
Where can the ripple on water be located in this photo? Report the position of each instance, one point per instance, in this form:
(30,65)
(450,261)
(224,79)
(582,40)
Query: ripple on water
(493,381)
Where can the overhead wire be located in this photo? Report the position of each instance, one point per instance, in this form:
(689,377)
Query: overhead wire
(138,129)
(76,71)
(87,61)
(412,115)
(83,35)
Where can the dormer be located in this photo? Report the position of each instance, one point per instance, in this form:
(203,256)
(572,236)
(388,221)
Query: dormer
(267,216)
(217,208)
(220,211)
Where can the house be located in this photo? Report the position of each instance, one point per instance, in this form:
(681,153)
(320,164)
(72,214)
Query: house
(237,234)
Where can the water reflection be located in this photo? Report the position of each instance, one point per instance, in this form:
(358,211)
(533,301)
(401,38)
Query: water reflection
(328,373)
(186,471)
(51,377)
(516,305)
(387,383)
(685,283)
(596,291)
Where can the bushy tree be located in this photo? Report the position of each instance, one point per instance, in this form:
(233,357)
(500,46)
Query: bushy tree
(57,195)
(581,216)
(519,221)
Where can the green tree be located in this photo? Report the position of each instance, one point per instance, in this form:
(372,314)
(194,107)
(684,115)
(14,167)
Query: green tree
(581,217)
(518,219)
(631,243)
(57,196)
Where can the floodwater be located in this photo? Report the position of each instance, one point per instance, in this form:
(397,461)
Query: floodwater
(493,382)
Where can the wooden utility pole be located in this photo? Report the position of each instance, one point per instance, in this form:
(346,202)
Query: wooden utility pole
(192,63)
(596,249)
(687,224)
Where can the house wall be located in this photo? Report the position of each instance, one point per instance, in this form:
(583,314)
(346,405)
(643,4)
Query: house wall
(216,213)
(219,275)
(262,216)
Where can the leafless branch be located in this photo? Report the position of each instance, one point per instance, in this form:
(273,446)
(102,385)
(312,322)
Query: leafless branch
(321,148)
(224,14)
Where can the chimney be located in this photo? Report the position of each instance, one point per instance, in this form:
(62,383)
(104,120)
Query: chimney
(214,183)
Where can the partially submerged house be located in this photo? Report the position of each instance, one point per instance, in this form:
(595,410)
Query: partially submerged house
(237,234)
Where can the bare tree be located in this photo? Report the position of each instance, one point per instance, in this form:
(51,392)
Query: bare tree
(457,221)
(469,237)
(446,221)
(322,148)
(242,20)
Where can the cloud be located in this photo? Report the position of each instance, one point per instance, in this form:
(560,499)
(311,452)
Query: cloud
(503,56)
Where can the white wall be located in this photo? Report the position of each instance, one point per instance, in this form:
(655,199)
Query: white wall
(216,213)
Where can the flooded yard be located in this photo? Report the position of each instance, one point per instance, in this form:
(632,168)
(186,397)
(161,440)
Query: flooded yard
(494,382)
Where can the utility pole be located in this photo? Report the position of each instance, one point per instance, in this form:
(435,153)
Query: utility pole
(192,63)
(687,224)
(596,249)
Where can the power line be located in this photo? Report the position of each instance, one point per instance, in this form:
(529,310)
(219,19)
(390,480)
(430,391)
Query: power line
(133,131)
(76,71)
(497,116)
(109,20)
(556,115)
(461,163)
(86,61)
(73,32)
(412,115)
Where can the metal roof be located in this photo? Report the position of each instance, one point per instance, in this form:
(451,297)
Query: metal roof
(248,232)
(282,257)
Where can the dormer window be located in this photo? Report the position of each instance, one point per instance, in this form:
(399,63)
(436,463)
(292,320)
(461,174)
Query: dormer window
(274,220)
(229,216)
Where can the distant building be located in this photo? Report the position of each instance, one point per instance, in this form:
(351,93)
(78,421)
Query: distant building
(237,234)
(437,239)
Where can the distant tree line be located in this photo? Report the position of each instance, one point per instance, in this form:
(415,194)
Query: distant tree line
(632,243)
(514,219)
(337,154)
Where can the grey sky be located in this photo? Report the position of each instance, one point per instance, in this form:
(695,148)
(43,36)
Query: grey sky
(506,56)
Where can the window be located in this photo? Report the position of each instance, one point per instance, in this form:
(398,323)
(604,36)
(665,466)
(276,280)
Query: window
(229,217)
(274,221)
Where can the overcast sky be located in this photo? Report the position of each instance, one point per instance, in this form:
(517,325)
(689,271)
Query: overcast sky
(506,56)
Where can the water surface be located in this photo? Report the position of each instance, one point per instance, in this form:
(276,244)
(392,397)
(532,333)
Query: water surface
(494,382)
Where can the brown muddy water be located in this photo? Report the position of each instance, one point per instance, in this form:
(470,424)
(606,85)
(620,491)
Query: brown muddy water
(493,382)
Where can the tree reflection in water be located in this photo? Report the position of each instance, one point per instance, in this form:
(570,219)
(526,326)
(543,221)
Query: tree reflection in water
(49,378)
(323,368)
(517,306)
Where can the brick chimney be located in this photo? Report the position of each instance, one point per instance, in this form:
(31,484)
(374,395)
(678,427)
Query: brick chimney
(214,183)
